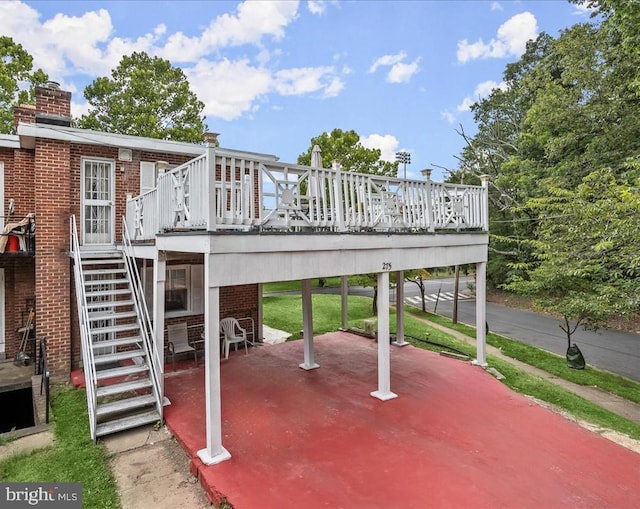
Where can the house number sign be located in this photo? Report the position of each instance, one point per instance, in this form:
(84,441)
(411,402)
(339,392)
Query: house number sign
(386,265)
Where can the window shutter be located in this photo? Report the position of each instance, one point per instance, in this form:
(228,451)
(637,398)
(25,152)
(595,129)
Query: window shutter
(197,289)
(147,176)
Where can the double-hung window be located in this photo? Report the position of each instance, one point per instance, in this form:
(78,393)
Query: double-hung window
(177,289)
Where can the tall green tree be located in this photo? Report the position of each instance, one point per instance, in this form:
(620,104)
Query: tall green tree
(345,147)
(587,266)
(17,80)
(145,96)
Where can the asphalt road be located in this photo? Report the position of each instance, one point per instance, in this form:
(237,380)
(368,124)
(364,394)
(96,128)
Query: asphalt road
(614,351)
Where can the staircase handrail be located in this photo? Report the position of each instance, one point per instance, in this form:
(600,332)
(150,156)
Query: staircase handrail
(146,327)
(43,371)
(91,380)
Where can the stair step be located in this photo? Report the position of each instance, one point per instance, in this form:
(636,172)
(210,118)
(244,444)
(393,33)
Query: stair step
(131,340)
(123,405)
(110,315)
(132,421)
(115,328)
(103,261)
(110,390)
(95,282)
(116,357)
(107,293)
(101,272)
(87,255)
(109,304)
(121,371)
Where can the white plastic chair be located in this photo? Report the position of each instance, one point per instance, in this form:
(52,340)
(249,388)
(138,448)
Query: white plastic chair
(179,342)
(233,335)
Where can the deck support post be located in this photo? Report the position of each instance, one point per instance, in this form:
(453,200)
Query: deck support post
(159,278)
(344,292)
(214,451)
(259,332)
(400,309)
(384,357)
(481,314)
(307,326)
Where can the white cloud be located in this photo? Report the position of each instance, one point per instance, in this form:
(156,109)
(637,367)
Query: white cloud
(481,91)
(54,43)
(387,60)
(448,116)
(511,40)
(79,109)
(228,88)
(316,6)
(334,87)
(495,6)
(583,9)
(253,21)
(387,143)
(303,80)
(400,71)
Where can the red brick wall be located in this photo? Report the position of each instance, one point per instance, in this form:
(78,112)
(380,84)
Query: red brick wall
(127,175)
(24,113)
(53,275)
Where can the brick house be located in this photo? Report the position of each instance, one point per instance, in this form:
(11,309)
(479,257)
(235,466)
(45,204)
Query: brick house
(124,236)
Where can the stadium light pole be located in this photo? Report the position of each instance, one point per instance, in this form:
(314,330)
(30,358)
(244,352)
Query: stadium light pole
(404,158)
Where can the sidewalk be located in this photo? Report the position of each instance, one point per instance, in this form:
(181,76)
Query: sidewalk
(615,404)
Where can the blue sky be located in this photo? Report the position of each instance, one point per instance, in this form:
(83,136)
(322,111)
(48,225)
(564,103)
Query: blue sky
(275,74)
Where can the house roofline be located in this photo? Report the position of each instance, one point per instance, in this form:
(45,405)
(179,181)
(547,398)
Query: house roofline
(9,141)
(28,132)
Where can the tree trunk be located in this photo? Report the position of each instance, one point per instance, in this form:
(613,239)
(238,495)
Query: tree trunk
(375,300)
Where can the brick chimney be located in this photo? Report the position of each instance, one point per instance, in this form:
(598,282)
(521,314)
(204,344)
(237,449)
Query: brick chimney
(24,113)
(53,106)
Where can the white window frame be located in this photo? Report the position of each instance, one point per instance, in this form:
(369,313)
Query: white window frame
(195,289)
(176,268)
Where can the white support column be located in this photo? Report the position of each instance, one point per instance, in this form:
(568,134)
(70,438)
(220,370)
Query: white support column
(159,278)
(307,326)
(481,314)
(384,357)
(259,325)
(344,292)
(214,451)
(400,309)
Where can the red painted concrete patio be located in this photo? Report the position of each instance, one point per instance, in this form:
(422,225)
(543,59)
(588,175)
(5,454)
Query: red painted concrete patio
(454,438)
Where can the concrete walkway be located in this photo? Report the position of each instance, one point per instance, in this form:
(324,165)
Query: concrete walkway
(615,404)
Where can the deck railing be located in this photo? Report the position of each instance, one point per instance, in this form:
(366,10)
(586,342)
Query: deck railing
(223,191)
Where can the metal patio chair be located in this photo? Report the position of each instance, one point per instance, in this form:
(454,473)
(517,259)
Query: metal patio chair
(179,342)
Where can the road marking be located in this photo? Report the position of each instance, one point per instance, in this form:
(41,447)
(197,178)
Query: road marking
(433,297)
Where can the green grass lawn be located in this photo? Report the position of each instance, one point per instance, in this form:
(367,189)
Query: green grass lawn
(285,313)
(292,286)
(72,458)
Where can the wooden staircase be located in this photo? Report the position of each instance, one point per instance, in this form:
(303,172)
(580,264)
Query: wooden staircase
(125,394)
